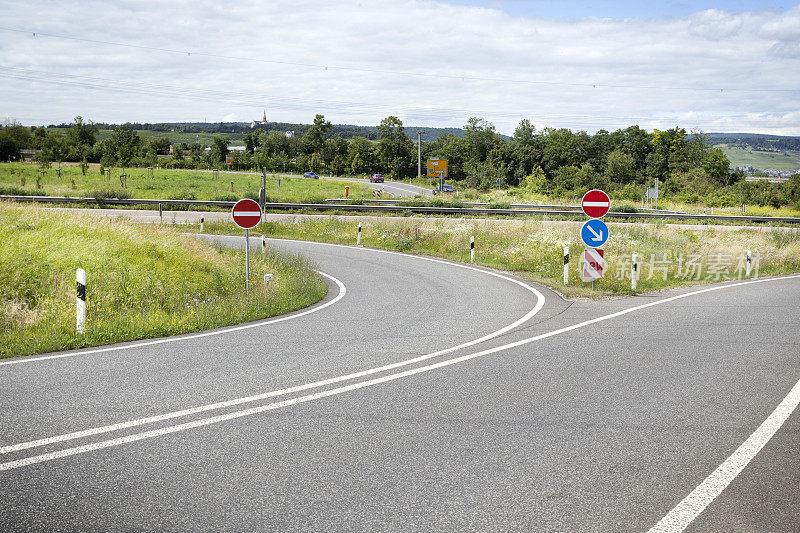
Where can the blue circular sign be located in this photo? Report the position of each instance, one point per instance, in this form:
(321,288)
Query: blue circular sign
(594,233)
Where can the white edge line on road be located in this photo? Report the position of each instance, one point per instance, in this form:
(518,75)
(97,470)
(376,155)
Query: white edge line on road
(540,300)
(128,346)
(692,505)
(391,377)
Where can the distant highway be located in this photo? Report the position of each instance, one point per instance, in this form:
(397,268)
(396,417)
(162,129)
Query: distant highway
(395,188)
(422,395)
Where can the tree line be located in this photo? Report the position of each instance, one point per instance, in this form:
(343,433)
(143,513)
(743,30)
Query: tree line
(551,162)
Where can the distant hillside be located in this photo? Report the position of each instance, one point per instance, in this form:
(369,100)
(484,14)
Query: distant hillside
(757,141)
(235,130)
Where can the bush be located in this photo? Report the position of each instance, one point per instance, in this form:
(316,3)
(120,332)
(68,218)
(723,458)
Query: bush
(626,208)
(499,204)
(104,195)
(16,191)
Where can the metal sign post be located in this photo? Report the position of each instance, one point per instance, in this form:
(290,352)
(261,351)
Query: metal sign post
(246,214)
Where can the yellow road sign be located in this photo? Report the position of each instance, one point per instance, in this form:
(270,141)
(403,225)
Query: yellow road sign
(435,166)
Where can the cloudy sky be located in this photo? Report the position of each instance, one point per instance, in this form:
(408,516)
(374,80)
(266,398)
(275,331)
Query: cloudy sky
(730,66)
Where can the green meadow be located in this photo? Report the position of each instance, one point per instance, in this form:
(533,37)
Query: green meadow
(21,178)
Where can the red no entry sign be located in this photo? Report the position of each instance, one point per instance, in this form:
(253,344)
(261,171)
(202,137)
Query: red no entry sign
(595,203)
(246,213)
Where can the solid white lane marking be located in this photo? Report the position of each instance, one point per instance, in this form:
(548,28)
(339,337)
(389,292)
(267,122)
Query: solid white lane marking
(34,359)
(695,503)
(355,386)
(540,301)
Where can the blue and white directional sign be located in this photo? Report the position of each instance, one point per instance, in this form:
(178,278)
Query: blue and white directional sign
(594,233)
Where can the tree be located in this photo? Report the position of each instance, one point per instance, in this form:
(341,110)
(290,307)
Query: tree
(125,145)
(82,135)
(525,134)
(481,137)
(361,153)
(620,167)
(220,148)
(718,166)
(395,149)
(318,132)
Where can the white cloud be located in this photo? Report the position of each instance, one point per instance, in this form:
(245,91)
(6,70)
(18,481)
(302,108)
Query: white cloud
(430,63)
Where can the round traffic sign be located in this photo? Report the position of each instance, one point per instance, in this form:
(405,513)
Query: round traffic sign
(594,233)
(246,213)
(595,203)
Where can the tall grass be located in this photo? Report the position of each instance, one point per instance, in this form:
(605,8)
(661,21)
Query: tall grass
(668,256)
(141,282)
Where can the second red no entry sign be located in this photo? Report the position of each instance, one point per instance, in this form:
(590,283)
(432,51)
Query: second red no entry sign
(595,203)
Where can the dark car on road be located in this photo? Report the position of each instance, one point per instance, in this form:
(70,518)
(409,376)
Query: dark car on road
(444,188)
(310,175)
(376,178)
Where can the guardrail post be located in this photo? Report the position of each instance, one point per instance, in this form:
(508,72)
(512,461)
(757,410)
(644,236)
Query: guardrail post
(566,265)
(472,249)
(80,301)
(634,272)
(358,240)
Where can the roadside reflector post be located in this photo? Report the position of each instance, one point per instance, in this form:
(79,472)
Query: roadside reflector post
(268,278)
(264,246)
(202,220)
(472,249)
(634,272)
(80,301)
(748,264)
(566,265)
(358,240)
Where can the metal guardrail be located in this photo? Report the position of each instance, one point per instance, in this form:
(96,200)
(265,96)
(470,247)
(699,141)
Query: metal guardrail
(555,207)
(357,208)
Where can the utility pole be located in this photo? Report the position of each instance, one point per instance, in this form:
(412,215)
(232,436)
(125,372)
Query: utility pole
(419,154)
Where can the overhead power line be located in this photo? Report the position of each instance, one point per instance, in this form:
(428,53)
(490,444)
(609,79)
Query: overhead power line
(371,70)
(243,99)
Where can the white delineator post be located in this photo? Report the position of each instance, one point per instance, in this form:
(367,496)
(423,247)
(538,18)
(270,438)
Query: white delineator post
(472,249)
(634,272)
(566,265)
(80,301)
(358,239)
(264,246)
(202,220)
(748,264)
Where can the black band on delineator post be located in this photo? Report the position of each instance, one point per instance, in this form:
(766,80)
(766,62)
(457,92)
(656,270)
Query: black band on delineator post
(566,259)
(81,291)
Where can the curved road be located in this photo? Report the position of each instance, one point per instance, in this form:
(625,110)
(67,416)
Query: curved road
(422,395)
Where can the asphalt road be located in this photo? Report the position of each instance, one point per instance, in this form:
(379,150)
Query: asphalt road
(395,188)
(365,414)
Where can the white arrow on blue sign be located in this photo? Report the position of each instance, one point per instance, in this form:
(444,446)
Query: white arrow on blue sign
(594,233)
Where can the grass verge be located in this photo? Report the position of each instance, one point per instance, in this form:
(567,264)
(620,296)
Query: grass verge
(668,256)
(142,282)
